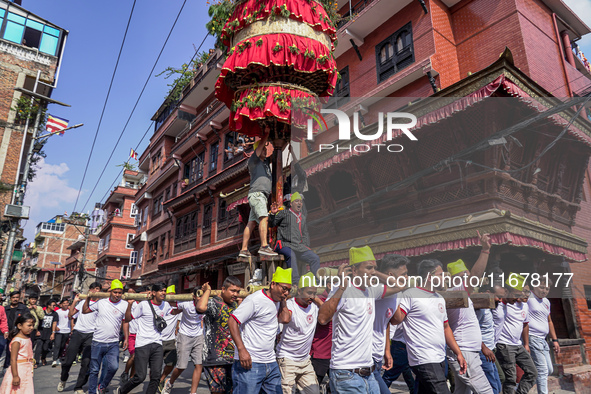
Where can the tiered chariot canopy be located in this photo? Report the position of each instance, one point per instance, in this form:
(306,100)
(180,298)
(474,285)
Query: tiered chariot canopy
(280,57)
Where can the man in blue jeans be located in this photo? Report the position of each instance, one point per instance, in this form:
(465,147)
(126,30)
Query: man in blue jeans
(253,327)
(351,306)
(293,241)
(105,342)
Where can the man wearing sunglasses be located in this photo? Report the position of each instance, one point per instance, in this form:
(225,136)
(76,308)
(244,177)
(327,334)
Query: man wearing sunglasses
(253,327)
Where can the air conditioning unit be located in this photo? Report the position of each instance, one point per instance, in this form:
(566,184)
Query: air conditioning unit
(16,211)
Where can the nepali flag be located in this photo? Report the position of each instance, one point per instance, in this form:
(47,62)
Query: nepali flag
(133,154)
(56,124)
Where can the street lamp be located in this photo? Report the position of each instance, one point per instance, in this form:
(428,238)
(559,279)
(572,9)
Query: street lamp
(55,264)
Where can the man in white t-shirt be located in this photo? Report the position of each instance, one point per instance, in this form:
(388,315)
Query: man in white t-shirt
(351,307)
(423,316)
(392,265)
(63,332)
(465,327)
(513,342)
(189,341)
(110,316)
(80,342)
(148,350)
(540,325)
(486,321)
(293,350)
(169,339)
(253,327)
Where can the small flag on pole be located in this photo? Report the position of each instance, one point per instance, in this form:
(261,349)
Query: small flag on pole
(56,124)
(133,154)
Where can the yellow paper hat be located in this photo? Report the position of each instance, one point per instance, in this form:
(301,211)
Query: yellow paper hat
(116,284)
(282,276)
(515,277)
(295,196)
(308,282)
(456,267)
(171,289)
(256,145)
(359,255)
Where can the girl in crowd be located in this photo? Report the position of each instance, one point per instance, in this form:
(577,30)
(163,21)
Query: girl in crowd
(20,378)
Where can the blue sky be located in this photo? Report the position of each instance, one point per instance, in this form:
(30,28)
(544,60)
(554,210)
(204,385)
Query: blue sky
(96,31)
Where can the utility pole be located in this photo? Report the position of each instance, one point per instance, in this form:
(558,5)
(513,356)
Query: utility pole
(78,282)
(20,192)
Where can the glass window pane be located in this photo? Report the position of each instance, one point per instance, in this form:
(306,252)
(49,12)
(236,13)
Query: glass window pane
(52,31)
(34,25)
(16,18)
(48,44)
(2,12)
(14,32)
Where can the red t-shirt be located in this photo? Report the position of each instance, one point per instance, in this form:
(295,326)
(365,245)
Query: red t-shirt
(322,342)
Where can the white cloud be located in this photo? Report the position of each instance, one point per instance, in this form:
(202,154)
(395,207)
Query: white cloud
(48,195)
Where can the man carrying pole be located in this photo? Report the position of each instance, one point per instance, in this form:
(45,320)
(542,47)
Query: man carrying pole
(169,339)
(218,352)
(110,316)
(80,342)
(148,352)
(351,307)
(423,316)
(189,341)
(293,350)
(253,327)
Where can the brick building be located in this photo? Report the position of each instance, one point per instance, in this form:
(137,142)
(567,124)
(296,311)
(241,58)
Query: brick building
(49,254)
(116,229)
(30,52)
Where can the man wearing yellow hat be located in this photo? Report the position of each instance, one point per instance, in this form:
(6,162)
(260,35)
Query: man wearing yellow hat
(465,327)
(293,350)
(351,307)
(110,316)
(253,327)
(260,189)
(513,342)
(293,240)
(189,341)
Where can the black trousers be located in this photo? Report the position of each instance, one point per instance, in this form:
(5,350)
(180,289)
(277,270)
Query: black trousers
(59,345)
(79,342)
(508,356)
(42,349)
(151,354)
(430,378)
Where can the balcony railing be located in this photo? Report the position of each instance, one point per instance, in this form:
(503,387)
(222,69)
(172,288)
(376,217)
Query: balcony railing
(357,8)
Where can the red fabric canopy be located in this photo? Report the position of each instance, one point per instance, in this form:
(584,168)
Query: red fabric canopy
(309,12)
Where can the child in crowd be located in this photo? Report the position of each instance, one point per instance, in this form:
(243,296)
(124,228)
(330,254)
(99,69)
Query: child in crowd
(20,378)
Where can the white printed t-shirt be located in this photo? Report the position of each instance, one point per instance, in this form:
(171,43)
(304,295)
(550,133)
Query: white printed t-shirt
(109,318)
(257,317)
(423,326)
(516,315)
(64,322)
(85,323)
(190,320)
(297,336)
(147,332)
(169,333)
(352,327)
(133,323)
(385,309)
(464,324)
(539,310)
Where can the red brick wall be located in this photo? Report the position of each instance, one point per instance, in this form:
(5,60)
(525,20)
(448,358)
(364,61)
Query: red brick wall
(445,59)
(569,355)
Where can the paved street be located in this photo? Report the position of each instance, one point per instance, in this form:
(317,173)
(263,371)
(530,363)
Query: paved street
(47,378)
